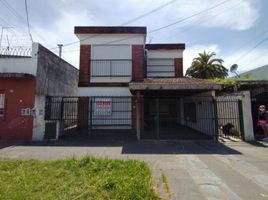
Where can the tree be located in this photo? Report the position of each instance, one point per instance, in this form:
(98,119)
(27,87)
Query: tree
(206,67)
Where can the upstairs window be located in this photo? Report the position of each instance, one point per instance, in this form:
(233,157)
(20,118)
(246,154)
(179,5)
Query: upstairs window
(2,104)
(160,67)
(111,61)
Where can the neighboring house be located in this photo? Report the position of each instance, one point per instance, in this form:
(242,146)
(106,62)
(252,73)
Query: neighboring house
(260,73)
(128,84)
(25,81)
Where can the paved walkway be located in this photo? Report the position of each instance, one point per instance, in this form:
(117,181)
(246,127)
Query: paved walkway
(194,170)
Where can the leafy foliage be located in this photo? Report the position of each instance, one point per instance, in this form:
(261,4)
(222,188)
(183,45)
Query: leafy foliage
(206,67)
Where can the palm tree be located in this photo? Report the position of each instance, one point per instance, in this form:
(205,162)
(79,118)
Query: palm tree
(205,67)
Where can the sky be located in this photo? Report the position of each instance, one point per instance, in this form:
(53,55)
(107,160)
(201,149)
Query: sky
(236,30)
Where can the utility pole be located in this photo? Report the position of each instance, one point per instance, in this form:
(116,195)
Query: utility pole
(2,31)
(60,49)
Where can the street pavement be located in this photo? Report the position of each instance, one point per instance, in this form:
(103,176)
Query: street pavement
(194,169)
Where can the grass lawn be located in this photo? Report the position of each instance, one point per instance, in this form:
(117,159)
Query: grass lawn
(87,178)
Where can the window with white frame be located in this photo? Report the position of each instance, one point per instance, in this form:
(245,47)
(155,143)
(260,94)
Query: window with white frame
(160,67)
(111,61)
(2,104)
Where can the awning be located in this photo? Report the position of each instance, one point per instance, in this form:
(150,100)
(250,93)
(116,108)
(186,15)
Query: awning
(174,84)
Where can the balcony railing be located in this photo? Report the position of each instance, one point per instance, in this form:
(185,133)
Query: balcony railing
(161,67)
(111,68)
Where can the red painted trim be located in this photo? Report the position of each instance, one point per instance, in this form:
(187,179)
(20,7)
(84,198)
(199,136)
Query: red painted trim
(165,46)
(110,30)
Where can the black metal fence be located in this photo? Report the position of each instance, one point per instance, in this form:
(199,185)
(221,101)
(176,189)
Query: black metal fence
(90,112)
(161,118)
(230,118)
(63,109)
(192,118)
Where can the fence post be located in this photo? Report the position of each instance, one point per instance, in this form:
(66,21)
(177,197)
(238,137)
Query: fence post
(138,118)
(157,118)
(61,120)
(90,116)
(48,108)
(241,119)
(214,101)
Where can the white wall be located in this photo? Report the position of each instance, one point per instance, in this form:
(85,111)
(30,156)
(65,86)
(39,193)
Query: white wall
(111,38)
(163,53)
(246,107)
(18,65)
(205,122)
(118,104)
(39,122)
(111,52)
(104,91)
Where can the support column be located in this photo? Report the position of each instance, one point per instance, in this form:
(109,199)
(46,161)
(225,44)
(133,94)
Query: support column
(138,118)
(157,119)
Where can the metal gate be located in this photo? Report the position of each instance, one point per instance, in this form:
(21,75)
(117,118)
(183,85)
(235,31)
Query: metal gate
(90,113)
(184,118)
(161,118)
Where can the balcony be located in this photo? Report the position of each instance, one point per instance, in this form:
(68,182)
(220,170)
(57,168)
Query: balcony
(115,70)
(161,67)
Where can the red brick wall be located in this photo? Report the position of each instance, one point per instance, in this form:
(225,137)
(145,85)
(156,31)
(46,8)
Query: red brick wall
(83,112)
(84,70)
(19,93)
(178,67)
(138,64)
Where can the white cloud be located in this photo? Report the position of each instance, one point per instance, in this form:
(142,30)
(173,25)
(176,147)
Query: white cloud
(62,32)
(234,15)
(192,52)
(254,59)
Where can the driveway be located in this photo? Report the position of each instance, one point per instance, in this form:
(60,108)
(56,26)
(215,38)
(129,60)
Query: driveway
(194,170)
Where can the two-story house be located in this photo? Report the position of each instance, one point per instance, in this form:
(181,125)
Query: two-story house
(134,85)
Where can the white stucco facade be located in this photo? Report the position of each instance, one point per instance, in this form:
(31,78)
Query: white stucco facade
(39,121)
(104,91)
(244,96)
(165,53)
(101,39)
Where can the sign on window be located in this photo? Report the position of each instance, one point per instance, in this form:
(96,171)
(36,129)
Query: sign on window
(102,106)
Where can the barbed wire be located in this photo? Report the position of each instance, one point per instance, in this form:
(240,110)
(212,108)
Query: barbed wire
(16,51)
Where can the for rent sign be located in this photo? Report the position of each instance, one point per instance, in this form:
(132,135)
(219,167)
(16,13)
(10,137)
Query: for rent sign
(102,106)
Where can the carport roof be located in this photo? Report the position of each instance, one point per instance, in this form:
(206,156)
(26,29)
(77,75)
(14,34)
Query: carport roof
(174,84)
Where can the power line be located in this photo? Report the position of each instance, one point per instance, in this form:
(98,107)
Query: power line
(257,57)
(16,14)
(125,23)
(148,13)
(250,50)
(189,17)
(12,10)
(27,17)
(202,21)
(155,30)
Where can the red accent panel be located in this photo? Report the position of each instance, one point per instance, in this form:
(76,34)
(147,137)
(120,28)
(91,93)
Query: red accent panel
(178,67)
(138,63)
(19,93)
(84,71)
